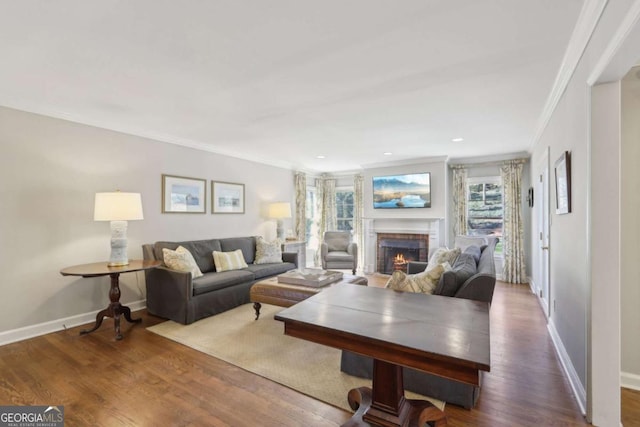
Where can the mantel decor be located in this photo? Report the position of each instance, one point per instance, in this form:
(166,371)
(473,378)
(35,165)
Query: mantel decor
(183,195)
(227,197)
(563,183)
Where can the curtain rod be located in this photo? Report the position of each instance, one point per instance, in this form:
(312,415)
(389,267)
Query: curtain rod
(492,163)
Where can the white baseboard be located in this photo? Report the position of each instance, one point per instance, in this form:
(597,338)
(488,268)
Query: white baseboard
(31,331)
(631,381)
(578,389)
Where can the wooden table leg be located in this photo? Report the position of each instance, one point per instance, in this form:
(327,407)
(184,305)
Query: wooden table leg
(114,310)
(256,307)
(385,404)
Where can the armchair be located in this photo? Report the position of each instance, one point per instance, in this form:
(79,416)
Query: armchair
(337,251)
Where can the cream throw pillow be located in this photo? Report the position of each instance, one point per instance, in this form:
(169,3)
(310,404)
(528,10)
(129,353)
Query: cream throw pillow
(226,261)
(425,282)
(268,252)
(181,260)
(442,255)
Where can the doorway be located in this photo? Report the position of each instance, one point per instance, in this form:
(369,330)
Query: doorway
(543,233)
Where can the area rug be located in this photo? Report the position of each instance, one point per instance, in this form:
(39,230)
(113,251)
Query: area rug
(260,347)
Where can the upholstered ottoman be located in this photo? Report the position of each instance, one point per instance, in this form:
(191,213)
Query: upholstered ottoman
(269,291)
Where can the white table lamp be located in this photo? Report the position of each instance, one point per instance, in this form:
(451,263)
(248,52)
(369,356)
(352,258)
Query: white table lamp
(118,208)
(279,211)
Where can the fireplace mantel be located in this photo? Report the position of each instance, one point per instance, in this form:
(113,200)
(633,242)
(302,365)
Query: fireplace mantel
(434,227)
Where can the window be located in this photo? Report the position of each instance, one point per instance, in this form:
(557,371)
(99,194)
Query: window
(344,209)
(484,208)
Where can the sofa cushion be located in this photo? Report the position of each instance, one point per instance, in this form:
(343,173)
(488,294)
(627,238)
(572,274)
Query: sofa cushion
(181,260)
(474,251)
(268,252)
(425,282)
(246,244)
(200,249)
(219,280)
(338,256)
(462,269)
(266,270)
(226,261)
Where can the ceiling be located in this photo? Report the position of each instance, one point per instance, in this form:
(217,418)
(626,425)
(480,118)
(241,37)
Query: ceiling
(284,81)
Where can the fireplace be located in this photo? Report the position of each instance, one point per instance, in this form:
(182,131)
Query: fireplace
(395,250)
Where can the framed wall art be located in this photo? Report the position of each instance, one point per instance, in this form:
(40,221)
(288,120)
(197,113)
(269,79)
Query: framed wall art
(563,184)
(183,195)
(227,197)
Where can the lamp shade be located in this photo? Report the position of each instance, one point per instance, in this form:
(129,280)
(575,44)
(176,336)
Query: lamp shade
(280,210)
(117,206)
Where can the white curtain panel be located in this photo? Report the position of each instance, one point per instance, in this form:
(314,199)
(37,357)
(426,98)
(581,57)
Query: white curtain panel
(300,188)
(358,213)
(459,200)
(326,191)
(513,231)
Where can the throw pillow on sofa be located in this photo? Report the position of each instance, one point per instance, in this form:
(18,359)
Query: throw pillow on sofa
(461,271)
(181,260)
(425,282)
(226,261)
(268,252)
(442,255)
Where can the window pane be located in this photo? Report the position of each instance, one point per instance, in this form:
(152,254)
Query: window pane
(493,192)
(344,210)
(484,208)
(476,192)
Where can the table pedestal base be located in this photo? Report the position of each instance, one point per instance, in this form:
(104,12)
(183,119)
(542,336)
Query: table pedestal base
(386,405)
(114,310)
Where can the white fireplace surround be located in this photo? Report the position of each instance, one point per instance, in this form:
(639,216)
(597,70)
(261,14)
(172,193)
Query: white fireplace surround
(434,227)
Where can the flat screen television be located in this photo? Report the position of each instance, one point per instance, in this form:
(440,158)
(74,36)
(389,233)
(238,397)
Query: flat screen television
(402,191)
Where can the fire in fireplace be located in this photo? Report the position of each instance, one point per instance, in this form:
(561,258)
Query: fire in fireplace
(397,249)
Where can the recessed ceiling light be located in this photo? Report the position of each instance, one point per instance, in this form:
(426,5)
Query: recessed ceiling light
(320,157)
(388,153)
(457,139)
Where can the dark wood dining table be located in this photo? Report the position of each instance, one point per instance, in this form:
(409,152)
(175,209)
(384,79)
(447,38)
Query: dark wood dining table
(441,335)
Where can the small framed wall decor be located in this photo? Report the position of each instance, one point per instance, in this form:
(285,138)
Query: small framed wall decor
(227,197)
(563,184)
(183,195)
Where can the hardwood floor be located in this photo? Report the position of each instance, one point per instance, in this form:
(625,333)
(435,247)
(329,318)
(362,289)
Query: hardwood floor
(146,380)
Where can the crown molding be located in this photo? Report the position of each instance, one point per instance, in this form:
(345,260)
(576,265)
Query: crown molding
(621,52)
(585,26)
(48,111)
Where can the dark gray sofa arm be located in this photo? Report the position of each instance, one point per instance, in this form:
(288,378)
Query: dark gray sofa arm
(479,287)
(291,257)
(414,267)
(168,292)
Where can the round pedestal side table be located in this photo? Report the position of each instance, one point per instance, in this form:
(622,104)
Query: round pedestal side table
(115,309)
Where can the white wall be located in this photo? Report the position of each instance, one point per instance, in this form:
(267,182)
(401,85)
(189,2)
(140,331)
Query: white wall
(438,209)
(605,252)
(574,292)
(50,170)
(630,223)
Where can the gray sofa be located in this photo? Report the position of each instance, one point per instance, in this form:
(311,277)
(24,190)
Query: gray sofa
(462,281)
(175,295)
